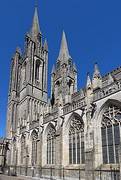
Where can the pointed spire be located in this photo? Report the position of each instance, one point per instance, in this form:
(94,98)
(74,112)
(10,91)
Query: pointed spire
(35,26)
(64,52)
(45,45)
(89,83)
(96,73)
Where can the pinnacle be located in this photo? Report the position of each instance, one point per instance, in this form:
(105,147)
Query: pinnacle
(96,71)
(89,83)
(45,45)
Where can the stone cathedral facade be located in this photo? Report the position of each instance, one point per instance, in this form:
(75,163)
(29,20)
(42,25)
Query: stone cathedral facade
(74,129)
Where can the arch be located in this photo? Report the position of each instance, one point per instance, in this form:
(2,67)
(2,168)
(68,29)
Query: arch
(34,138)
(50,125)
(74,114)
(108,102)
(110,122)
(50,141)
(34,134)
(75,126)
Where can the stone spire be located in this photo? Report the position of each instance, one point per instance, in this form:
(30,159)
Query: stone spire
(35,30)
(64,52)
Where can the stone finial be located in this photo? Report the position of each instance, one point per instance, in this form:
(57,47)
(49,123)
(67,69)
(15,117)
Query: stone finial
(64,52)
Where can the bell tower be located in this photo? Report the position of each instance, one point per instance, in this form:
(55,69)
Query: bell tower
(36,60)
(28,83)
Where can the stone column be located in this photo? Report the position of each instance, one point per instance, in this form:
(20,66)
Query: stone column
(59,143)
(89,150)
(58,152)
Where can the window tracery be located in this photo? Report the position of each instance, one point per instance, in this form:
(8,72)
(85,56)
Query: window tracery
(51,145)
(34,147)
(76,141)
(111,121)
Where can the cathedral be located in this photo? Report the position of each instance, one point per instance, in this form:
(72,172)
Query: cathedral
(75,134)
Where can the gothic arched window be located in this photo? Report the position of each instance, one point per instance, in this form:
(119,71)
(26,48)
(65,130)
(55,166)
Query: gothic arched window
(76,141)
(51,145)
(37,70)
(34,147)
(23,144)
(111,134)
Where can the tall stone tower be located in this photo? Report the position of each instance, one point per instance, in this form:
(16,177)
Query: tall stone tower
(28,83)
(64,74)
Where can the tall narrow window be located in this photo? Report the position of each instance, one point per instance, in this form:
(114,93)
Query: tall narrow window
(111,134)
(37,68)
(51,145)
(34,147)
(22,149)
(23,72)
(76,140)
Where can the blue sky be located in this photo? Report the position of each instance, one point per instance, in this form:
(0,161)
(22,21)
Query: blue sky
(93,29)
